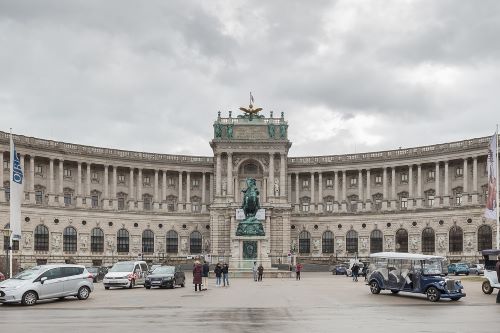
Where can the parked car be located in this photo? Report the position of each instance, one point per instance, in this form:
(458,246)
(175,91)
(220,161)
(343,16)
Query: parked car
(153,267)
(476,269)
(458,268)
(339,270)
(360,271)
(126,274)
(47,281)
(413,273)
(490,259)
(98,272)
(2,277)
(166,277)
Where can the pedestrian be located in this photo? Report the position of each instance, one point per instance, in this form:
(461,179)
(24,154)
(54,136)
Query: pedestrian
(298,269)
(197,273)
(497,268)
(206,269)
(218,274)
(261,271)
(364,271)
(355,271)
(255,271)
(225,274)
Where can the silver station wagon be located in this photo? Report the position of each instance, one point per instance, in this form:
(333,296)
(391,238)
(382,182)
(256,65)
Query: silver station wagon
(47,281)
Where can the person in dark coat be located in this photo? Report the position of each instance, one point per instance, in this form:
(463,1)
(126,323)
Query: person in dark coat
(497,268)
(298,269)
(206,270)
(218,274)
(261,271)
(355,271)
(225,274)
(197,274)
(364,271)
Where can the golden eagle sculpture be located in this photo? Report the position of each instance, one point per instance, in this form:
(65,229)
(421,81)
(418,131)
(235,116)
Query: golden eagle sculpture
(251,113)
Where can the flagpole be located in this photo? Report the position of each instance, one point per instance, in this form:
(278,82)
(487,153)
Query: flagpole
(496,194)
(11,166)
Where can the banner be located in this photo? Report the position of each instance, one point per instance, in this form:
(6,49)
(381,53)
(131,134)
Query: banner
(491,198)
(16,192)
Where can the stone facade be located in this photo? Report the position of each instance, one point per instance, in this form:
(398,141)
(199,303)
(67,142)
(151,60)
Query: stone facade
(97,205)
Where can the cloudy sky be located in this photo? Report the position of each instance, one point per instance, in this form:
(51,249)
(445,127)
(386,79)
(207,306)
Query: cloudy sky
(351,76)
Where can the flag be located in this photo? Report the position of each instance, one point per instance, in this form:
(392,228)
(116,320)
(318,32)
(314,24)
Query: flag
(251,98)
(491,199)
(16,192)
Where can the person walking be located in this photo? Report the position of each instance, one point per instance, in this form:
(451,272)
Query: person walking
(364,271)
(197,273)
(298,269)
(218,274)
(497,268)
(206,270)
(261,271)
(225,274)
(355,271)
(255,271)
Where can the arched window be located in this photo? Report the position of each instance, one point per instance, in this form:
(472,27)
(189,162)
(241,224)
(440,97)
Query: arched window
(122,241)
(351,241)
(402,240)
(69,239)
(148,241)
(327,243)
(428,240)
(6,240)
(304,242)
(97,240)
(41,238)
(484,238)
(195,242)
(172,242)
(456,239)
(376,241)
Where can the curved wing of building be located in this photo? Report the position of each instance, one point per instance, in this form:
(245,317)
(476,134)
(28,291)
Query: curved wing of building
(97,205)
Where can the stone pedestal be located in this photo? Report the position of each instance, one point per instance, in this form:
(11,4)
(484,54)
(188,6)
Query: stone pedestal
(384,205)
(245,250)
(344,207)
(419,203)
(368,206)
(474,198)
(446,201)
(360,206)
(79,202)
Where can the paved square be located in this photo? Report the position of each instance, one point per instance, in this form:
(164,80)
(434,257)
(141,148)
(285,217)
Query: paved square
(319,302)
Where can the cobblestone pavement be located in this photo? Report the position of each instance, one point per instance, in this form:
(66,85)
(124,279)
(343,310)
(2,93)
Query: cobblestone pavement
(319,302)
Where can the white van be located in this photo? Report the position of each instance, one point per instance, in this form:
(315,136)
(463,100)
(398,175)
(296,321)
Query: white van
(126,274)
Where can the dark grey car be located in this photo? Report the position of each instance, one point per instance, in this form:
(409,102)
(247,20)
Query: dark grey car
(166,277)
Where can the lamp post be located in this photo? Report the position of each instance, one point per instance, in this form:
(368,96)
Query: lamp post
(7,233)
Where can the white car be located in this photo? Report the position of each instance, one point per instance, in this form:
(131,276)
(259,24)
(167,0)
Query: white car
(126,274)
(47,281)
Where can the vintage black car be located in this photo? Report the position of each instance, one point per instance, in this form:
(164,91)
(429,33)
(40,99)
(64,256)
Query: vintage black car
(165,277)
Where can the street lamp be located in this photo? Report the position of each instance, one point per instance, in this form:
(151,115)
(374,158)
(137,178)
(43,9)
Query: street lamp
(6,234)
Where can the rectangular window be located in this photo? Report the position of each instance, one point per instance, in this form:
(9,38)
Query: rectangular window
(305,183)
(431,174)
(430,201)
(329,182)
(171,181)
(6,243)
(329,206)
(170,206)
(7,194)
(95,201)
(6,164)
(196,182)
(121,203)
(458,199)
(195,207)
(459,171)
(94,175)
(404,203)
(67,172)
(38,169)
(378,179)
(67,199)
(38,197)
(404,178)
(378,204)
(147,203)
(146,180)
(353,181)
(121,178)
(305,206)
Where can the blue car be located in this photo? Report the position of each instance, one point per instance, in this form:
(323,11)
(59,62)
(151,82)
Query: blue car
(459,268)
(340,270)
(412,273)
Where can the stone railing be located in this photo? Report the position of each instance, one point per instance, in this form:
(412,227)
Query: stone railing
(254,121)
(103,152)
(407,153)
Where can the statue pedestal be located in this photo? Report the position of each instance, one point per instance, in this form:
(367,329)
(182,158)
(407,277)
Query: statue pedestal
(245,250)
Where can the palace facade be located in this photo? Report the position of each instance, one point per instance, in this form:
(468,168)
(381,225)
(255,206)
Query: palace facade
(97,205)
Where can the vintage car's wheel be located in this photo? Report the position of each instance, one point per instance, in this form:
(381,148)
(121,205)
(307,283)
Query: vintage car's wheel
(394,291)
(433,294)
(83,293)
(486,287)
(29,298)
(374,287)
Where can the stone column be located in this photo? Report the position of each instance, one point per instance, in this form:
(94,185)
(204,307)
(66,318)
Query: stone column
(360,190)
(410,186)
(218,177)
(368,197)
(21,157)
(271,176)
(385,198)
(2,191)
(131,200)
(297,192)
(140,203)
(336,191)
(419,185)
(313,190)
(32,179)
(230,181)
(446,198)
(156,204)
(106,182)
(320,192)
(474,181)
(114,188)
(283,175)
(465,192)
(79,193)
(437,199)
(180,201)
(344,191)
(88,199)
(289,188)
(163,189)
(188,191)
(203,194)
(51,182)
(61,183)
(211,187)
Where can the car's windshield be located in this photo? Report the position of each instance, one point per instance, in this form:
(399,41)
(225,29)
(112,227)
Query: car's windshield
(432,267)
(164,270)
(92,269)
(122,267)
(28,274)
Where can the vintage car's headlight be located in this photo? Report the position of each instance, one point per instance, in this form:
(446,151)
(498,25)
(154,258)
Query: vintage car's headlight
(442,283)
